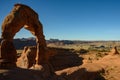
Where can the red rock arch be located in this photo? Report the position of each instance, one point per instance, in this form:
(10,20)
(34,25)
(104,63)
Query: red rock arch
(21,16)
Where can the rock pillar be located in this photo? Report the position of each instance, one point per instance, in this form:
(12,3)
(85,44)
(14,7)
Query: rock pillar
(8,54)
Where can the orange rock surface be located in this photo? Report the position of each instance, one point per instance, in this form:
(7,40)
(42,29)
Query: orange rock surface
(21,16)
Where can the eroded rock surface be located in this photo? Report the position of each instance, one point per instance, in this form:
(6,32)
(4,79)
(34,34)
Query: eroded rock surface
(21,16)
(40,72)
(114,51)
(27,58)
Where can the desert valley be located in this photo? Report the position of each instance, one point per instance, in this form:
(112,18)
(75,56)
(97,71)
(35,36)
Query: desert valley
(75,60)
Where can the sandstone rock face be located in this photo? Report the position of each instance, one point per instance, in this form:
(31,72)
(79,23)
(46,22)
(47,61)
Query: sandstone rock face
(58,58)
(9,56)
(114,51)
(43,73)
(21,16)
(27,58)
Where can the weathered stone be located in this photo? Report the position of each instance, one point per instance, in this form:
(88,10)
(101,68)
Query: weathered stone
(27,74)
(114,51)
(21,16)
(27,58)
(8,54)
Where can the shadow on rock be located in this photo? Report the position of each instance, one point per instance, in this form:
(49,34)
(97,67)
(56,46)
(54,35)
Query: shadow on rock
(81,74)
(65,58)
(33,74)
(27,74)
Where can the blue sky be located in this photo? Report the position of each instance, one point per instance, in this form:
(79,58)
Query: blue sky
(72,19)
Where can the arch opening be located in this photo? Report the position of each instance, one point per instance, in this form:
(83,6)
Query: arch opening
(23,38)
(23,33)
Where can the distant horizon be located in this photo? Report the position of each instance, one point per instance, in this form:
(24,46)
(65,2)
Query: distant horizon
(67,39)
(72,19)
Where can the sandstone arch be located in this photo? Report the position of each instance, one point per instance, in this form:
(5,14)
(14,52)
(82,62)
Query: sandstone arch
(21,16)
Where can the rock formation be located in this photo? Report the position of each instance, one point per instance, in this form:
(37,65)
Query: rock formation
(114,51)
(8,54)
(43,73)
(21,16)
(27,58)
